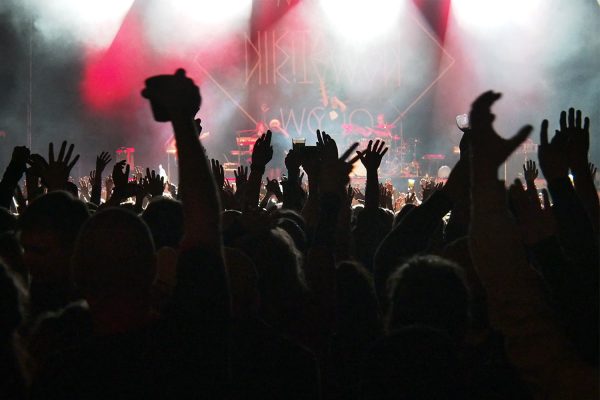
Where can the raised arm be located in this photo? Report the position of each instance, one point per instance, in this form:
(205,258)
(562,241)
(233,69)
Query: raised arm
(530,173)
(55,172)
(577,133)
(197,188)
(321,258)
(101,162)
(371,159)
(262,153)
(15,170)
(517,307)
(179,99)
(200,304)
(293,195)
(575,228)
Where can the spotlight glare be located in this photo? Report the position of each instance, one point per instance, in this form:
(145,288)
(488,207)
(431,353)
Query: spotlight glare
(487,14)
(211,12)
(92,22)
(361,20)
(186,22)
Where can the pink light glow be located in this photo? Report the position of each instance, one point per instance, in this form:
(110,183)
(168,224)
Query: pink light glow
(113,76)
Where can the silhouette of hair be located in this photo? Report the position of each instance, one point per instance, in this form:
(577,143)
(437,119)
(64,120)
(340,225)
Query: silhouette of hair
(295,232)
(114,253)
(164,217)
(72,189)
(289,214)
(431,291)
(357,307)
(58,213)
(280,277)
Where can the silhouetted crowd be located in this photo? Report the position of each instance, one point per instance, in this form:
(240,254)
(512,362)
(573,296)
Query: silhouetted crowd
(127,286)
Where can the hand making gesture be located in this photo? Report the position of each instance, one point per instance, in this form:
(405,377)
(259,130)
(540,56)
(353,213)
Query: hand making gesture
(55,172)
(372,155)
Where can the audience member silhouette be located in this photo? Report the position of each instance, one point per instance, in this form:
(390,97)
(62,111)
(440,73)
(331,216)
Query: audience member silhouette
(328,293)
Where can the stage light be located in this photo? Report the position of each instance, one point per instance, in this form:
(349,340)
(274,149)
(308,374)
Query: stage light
(190,22)
(93,22)
(211,12)
(362,20)
(199,15)
(494,13)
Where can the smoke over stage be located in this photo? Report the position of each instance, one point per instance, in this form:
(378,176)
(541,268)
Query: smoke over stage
(397,71)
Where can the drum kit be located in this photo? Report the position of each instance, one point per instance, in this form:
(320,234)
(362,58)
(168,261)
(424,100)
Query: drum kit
(401,160)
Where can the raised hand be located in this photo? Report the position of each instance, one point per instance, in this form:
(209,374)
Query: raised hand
(241,176)
(108,185)
(55,172)
(102,161)
(553,155)
(172,189)
(429,187)
(350,195)
(372,155)
(358,194)
(335,171)
(85,187)
(293,160)
(153,184)
(530,173)
(490,150)
(411,198)
(120,174)
(273,187)
(12,175)
(262,152)
(172,96)
(536,223)
(326,146)
(20,198)
(138,173)
(32,185)
(218,173)
(228,187)
(312,166)
(577,136)
(385,197)
(20,156)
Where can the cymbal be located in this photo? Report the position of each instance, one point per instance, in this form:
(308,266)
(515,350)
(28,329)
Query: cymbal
(384,134)
(433,157)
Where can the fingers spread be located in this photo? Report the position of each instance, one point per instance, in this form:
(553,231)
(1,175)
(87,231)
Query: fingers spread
(70,166)
(69,153)
(51,152)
